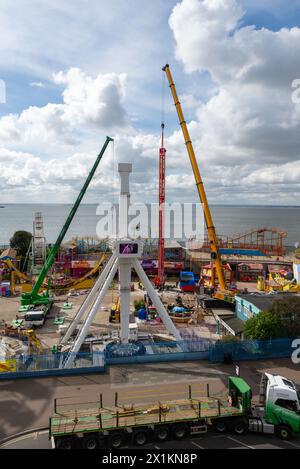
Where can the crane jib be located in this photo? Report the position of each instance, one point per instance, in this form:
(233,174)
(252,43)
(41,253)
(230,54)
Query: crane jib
(31,297)
(199,182)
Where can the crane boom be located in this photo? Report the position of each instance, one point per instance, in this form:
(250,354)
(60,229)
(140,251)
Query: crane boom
(33,297)
(215,253)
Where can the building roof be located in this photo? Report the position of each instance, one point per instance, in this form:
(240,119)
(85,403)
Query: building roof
(264,301)
(251,266)
(223,313)
(173,244)
(9,253)
(234,325)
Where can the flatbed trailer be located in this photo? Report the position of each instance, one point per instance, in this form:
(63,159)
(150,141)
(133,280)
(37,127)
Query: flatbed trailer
(100,426)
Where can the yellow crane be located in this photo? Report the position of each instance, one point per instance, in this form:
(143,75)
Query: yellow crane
(34,343)
(215,253)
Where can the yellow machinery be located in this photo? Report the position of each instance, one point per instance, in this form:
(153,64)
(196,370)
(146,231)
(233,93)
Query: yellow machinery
(277,282)
(260,283)
(115,312)
(34,344)
(215,253)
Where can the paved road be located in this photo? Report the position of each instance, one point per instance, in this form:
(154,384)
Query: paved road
(39,440)
(27,404)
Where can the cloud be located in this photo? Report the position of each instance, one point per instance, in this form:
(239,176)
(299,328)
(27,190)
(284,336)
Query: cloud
(37,84)
(88,105)
(92,101)
(244,125)
(250,123)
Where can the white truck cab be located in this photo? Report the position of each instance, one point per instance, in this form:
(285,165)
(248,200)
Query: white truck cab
(34,318)
(280,407)
(282,392)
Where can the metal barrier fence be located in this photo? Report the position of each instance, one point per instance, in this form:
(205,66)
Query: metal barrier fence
(28,366)
(250,350)
(25,366)
(196,349)
(95,362)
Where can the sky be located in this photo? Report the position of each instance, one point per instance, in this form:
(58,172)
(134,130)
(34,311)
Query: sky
(75,71)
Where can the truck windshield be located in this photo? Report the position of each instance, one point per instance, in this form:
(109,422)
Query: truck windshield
(34,317)
(186,278)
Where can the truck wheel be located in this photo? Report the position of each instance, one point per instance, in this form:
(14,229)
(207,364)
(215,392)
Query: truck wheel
(65,443)
(283,432)
(240,426)
(90,442)
(220,425)
(180,431)
(140,437)
(161,433)
(115,440)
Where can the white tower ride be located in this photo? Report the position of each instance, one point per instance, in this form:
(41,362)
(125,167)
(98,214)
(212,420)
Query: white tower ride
(124,259)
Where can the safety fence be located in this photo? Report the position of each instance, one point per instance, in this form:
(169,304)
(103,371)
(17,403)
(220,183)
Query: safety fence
(251,350)
(30,366)
(25,366)
(96,362)
(196,349)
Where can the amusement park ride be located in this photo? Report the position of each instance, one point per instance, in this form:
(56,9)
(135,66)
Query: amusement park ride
(160,280)
(125,257)
(38,244)
(257,242)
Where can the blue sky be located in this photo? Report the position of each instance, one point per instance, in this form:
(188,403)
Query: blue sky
(273,14)
(137,38)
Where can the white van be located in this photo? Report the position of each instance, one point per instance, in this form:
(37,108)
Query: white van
(34,318)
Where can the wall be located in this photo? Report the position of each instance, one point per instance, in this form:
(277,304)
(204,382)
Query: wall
(244,310)
(296,271)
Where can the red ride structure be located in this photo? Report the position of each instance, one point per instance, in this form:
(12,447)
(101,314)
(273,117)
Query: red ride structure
(160,280)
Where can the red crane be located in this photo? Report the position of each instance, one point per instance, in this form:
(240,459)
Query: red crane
(161,201)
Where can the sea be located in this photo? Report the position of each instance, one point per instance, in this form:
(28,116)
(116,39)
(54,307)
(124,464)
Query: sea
(228,220)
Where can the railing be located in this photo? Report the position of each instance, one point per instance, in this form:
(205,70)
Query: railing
(151,352)
(49,365)
(251,350)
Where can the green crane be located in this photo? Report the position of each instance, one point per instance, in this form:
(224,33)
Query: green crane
(33,297)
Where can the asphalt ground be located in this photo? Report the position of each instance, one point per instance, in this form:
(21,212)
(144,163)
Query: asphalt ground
(27,404)
(40,440)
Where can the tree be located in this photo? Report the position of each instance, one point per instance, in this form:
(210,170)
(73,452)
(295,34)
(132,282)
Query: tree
(288,311)
(20,242)
(265,325)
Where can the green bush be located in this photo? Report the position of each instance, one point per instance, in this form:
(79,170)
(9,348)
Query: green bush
(265,325)
(138,304)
